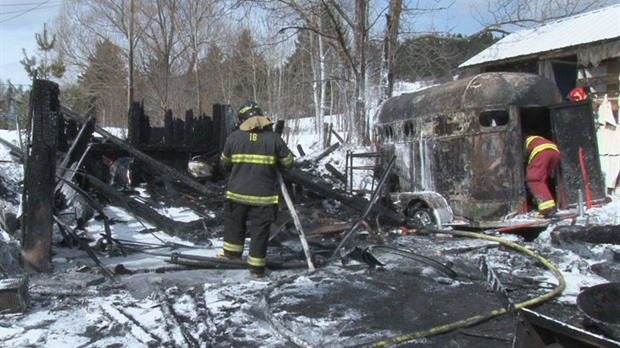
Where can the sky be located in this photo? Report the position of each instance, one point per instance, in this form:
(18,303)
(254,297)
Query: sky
(19,21)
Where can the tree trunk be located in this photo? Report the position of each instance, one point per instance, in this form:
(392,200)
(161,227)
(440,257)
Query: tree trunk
(390,42)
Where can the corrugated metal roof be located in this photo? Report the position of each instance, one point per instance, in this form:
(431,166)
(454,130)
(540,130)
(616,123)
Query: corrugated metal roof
(589,27)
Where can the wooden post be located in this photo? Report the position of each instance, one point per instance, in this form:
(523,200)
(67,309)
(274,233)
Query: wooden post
(40,178)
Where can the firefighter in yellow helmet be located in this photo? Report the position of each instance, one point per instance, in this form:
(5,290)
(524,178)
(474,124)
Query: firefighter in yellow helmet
(252,154)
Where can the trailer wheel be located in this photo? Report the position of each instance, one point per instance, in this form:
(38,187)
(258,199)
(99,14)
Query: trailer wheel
(419,216)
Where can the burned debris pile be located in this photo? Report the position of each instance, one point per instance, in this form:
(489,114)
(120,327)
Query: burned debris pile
(94,168)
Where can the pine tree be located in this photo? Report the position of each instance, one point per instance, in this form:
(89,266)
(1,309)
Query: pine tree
(45,67)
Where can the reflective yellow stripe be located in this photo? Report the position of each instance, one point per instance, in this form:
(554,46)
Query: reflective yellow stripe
(255,200)
(529,140)
(540,148)
(546,205)
(225,158)
(254,159)
(257,261)
(286,160)
(235,248)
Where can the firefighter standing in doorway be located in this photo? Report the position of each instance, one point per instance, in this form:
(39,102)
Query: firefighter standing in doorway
(252,155)
(542,157)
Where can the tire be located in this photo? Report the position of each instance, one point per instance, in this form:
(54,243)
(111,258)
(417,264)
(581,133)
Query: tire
(420,217)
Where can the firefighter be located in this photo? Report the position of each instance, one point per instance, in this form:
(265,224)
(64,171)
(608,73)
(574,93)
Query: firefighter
(252,155)
(542,157)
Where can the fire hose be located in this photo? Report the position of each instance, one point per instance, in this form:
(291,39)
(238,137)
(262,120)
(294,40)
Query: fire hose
(262,308)
(495,313)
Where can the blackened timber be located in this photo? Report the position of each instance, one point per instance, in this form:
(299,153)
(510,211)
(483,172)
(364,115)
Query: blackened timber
(171,227)
(340,139)
(336,173)
(40,173)
(325,189)
(327,151)
(608,234)
(14,150)
(93,204)
(207,189)
(301,151)
(306,163)
(87,249)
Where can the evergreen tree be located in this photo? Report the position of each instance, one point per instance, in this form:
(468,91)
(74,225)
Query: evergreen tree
(298,77)
(250,70)
(437,56)
(45,67)
(101,90)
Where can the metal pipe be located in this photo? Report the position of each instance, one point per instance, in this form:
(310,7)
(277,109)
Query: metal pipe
(291,208)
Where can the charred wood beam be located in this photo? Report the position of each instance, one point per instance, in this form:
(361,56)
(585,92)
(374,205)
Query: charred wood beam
(171,227)
(324,189)
(224,263)
(94,205)
(207,189)
(14,150)
(301,151)
(328,134)
(327,152)
(88,249)
(340,139)
(39,178)
(336,173)
(306,163)
(588,234)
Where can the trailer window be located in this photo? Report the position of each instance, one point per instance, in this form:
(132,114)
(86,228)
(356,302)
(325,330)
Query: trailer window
(493,118)
(384,134)
(408,129)
(388,133)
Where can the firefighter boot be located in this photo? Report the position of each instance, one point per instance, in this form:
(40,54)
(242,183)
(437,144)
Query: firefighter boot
(228,255)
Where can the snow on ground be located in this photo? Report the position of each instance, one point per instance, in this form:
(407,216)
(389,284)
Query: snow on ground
(156,310)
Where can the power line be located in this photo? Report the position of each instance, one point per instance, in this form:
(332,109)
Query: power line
(26,4)
(29,10)
(36,6)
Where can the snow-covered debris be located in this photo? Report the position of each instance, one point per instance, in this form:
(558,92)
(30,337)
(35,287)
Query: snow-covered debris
(343,303)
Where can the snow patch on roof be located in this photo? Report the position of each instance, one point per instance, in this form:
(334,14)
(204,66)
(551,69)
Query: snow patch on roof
(585,28)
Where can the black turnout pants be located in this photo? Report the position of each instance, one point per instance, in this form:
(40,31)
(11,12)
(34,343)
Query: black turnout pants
(236,219)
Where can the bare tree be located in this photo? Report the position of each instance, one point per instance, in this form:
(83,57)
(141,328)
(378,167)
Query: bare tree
(188,52)
(91,37)
(348,33)
(390,42)
(170,38)
(506,16)
(200,25)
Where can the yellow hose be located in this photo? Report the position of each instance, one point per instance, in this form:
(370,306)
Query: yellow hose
(481,318)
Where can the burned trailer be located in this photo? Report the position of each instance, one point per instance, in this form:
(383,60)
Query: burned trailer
(460,148)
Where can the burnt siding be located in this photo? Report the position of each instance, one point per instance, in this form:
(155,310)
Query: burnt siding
(452,169)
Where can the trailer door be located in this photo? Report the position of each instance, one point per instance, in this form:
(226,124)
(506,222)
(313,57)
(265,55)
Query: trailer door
(573,128)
